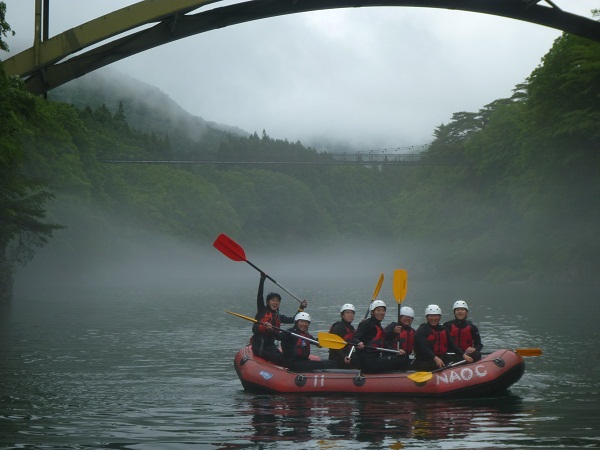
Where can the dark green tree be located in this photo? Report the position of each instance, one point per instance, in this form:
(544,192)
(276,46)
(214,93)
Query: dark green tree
(4,27)
(22,198)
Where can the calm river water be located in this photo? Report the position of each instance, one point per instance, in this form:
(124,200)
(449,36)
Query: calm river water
(150,368)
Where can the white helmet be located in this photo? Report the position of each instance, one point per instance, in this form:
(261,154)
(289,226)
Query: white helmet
(347,307)
(433,309)
(302,316)
(460,304)
(407,311)
(376,304)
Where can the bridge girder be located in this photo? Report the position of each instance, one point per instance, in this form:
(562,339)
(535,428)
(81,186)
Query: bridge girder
(44,54)
(49,73)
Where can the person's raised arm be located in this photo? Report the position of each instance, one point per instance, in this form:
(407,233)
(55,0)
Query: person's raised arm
(260,299)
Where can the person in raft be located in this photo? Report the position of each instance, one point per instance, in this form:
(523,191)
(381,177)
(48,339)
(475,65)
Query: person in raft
(401,335)
(268,318)
(463,332)
(295,345)
(370,334)
(433,342)
(345,358)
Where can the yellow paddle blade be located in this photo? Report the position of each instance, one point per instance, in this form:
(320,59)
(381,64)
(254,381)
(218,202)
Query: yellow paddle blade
(399,285)
(378,287)
(330,340)
(420,377)
(242,316)
(375,293)
(528,351)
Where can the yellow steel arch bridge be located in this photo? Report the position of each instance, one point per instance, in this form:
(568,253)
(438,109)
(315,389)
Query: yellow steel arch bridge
(51,62)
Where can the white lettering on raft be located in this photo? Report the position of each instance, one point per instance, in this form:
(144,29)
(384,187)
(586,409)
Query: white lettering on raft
(465,374)
(316,380)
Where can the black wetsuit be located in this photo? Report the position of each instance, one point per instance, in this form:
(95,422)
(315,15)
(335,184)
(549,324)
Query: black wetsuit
(403,341)
(296,352)
(346,331)
(370,333)
(431,342)
(263,340)
(465,334)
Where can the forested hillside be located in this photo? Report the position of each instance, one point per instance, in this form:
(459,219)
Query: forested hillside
(523,207)
(148,109)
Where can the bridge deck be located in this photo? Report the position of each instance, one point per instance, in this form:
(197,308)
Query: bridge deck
(346,159)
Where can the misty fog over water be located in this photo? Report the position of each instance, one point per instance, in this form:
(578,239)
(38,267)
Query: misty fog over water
(141,357)
(154,261)
(145,261)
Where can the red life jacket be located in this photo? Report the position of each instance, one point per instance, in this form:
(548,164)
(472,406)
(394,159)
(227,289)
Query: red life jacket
(301,349)
(269,316)
(407,338)
(438,340)
(348,335)
(379,338)
(403,341)
(462,337)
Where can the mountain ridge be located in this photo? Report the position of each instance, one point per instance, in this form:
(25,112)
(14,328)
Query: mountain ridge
(146,107)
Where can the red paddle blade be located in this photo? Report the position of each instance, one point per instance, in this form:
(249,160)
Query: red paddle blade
(229,248)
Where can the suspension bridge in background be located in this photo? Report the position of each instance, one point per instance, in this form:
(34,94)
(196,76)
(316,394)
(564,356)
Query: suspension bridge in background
(375,158)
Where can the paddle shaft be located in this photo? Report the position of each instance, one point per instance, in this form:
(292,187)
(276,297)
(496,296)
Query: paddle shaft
(519,351)
(275,328)
(299,336)
(351,351)
(389,350)
(457,363)
(235,252)
(422,377)
(293,334)
(335,339)
(376,348)
(282,287)
(375,293)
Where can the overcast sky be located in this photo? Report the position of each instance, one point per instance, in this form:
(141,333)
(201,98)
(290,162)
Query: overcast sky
(371,77)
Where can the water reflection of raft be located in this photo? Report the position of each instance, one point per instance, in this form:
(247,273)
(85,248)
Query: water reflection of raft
(493,374)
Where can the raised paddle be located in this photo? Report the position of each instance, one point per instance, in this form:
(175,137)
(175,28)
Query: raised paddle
(421,377)
(399,286)
(329,339)
(375,293)
(234,251)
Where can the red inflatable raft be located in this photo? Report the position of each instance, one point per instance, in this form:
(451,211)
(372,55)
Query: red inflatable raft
(494,373)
